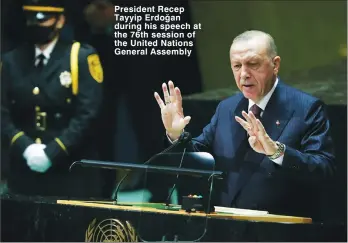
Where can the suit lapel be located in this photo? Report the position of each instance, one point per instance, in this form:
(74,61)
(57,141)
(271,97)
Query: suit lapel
(50,72)
(238,132)
(277,113)
(26,64)
(274,120)
(56,55)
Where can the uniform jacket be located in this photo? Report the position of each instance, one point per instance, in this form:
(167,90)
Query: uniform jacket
(50,106)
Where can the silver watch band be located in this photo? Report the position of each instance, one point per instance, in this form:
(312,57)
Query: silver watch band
(279,152)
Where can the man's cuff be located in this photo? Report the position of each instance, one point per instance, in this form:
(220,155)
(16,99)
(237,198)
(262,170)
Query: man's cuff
(170,139)
(280,159)
(55,148)
(20,142)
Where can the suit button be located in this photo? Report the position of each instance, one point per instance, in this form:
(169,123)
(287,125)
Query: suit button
(68,101)
(58,115)
(36,91)
(38,124)
(13,101)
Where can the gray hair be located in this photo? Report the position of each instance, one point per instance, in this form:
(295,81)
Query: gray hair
(250,34)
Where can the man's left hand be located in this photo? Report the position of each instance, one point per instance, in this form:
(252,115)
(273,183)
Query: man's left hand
(258,138)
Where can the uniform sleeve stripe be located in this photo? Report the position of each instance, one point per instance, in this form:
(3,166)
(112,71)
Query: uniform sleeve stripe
(15,137)
(61,144)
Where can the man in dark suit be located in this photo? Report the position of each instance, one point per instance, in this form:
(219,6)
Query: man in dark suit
(275,158)
(51,95)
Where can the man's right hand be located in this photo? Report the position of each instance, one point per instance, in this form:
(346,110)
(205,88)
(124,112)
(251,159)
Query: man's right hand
(172,112)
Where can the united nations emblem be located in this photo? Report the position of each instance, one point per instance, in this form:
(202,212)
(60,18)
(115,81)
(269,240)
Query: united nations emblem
(65,79)
(110,230)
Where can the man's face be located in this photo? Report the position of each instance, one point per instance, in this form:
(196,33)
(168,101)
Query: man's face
(253,69)
(42,29)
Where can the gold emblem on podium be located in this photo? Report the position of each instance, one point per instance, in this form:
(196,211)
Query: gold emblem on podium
(110,230)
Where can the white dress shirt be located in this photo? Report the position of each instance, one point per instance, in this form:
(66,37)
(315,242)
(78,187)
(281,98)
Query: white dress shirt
(46,52)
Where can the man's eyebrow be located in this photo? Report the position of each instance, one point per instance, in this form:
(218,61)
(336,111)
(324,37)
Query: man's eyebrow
(246,58)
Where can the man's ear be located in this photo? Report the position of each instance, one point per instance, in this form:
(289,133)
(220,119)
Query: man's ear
(276,64)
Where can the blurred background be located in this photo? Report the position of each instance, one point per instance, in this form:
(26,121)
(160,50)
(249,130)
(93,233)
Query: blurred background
(311,37)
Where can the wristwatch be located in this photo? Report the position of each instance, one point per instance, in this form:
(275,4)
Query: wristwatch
(280,151)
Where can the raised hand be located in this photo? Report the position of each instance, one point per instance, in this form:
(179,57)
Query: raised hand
(258,138)
(172,112)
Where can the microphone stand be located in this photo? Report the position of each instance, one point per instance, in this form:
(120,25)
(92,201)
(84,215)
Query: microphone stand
(177,179)
(184,137)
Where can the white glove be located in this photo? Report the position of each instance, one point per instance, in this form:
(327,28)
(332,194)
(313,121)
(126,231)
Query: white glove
(36,158)
(32,149)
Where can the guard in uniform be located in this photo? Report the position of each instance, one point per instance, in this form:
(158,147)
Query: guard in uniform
(51,95)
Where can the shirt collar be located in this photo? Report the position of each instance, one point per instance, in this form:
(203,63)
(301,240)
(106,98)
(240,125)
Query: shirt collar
(263,102)
(47,51)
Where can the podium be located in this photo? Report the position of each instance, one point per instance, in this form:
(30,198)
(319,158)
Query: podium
(56,219)
(195,171)
(192,173)
(47,219)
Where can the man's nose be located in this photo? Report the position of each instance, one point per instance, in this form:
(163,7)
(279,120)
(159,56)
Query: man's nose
(244,72)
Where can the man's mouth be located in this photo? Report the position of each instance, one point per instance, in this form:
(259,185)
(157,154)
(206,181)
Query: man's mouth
(248,85)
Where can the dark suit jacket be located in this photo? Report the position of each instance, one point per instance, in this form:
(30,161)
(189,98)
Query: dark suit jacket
(252,180)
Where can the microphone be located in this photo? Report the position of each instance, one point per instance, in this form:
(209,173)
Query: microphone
(184,138)
(177,178)
(187,138)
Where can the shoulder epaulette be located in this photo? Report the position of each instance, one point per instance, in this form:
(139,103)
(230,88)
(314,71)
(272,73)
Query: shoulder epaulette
(74,67)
